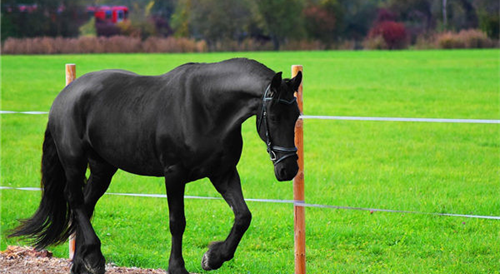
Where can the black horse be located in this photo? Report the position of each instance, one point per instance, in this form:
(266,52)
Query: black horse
(183,125)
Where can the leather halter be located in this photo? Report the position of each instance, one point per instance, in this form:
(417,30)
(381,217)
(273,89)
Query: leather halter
(272,149)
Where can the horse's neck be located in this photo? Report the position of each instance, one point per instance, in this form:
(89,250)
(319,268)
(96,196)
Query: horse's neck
(238,97)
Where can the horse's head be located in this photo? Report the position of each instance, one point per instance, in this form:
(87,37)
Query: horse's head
(276,124)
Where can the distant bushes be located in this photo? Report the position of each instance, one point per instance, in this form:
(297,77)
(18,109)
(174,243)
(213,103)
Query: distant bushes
(464,39)
(127,44)
(376,42)
(387,35)
(171,44)
(88,44)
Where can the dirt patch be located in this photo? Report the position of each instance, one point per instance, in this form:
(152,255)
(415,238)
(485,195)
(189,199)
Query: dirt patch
(21,260)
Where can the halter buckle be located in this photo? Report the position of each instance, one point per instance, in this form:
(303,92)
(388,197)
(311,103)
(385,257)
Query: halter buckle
(272,155)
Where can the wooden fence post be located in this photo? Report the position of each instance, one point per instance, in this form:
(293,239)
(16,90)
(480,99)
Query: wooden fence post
(70,77)
(298,188)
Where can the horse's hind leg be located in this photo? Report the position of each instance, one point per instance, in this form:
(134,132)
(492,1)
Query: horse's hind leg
(100,177)
(88,257)
(101,173)
(230,187)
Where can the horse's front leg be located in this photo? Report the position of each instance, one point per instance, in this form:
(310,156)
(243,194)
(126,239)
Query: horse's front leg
(229,187)
(175,194)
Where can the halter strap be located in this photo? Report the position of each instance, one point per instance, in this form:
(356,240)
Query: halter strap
(271,149)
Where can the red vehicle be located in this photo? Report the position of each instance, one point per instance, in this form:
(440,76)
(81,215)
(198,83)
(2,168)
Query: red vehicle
(109,14)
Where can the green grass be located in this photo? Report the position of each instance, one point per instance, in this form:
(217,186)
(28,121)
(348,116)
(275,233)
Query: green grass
(426,167)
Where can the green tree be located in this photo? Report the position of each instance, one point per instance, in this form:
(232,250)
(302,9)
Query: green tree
(418,13)
(460,14)
(180,19)
(357,18)
(216,20)
(489,17)
(88,29)
(280,19)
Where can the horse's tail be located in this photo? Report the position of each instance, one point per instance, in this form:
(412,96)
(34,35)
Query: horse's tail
(51,223)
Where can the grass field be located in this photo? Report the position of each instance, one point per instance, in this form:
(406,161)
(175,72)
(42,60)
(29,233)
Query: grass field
(426,167)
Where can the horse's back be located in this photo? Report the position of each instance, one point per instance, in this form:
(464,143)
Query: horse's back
(107,111)
(111,90)
(91,84)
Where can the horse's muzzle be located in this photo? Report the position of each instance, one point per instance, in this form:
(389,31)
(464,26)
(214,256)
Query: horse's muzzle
(286,169)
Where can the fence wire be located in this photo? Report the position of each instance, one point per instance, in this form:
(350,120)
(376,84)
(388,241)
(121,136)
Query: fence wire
(345,118)
(294,202)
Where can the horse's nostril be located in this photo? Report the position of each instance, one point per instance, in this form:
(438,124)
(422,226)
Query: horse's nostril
(282,173)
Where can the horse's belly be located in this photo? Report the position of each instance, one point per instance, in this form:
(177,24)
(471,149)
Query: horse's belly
(134,155)
(149,171)
(133,163)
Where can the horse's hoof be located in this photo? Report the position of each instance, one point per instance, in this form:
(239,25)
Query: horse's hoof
(204,263)
(84,267)
(212,259)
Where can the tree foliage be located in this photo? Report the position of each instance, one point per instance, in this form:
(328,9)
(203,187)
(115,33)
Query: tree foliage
(48,18)
(219,19)
(278,21)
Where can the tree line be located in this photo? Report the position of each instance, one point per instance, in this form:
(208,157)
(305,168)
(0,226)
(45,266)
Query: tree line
(331,22)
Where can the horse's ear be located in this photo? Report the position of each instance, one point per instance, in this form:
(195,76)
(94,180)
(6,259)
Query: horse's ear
(296,81)
(276,82)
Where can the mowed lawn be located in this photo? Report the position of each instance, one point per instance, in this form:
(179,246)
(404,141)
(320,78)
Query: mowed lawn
(421,167)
